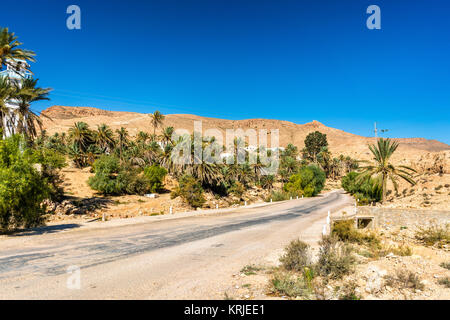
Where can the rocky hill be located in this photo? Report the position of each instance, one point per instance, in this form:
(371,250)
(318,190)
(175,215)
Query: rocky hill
(341,142)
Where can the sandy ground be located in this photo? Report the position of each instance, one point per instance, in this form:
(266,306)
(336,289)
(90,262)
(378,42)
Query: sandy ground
(182,258)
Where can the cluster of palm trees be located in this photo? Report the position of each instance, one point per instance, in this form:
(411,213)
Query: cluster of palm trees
(84,145)
(22,92)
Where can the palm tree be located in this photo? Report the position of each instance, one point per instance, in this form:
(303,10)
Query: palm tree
(157,119)
(104,137)
(27,92)
(122,139)
(382,169)
(267,181)
(10,51)
(166,136)
(142,137)
(81,135)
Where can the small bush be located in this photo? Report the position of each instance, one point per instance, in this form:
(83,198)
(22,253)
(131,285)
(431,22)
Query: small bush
(445,282)
(308,182)
(348,291)
(278,196)
(237,189)
(250,270)
(366,190)
(401,250)
(190,190)
(287,284)
(434,235)
(111,178)
(296,257)
(404,279)
(335,258)
(445,265)
(155,176)
(345,231)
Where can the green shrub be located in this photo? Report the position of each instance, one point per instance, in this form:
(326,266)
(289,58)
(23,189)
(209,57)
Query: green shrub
(335,258)
(296,257)
(132,181)
(22,187)
(113,179)
(366,190)
(309,181)
(155,176)
(190,190)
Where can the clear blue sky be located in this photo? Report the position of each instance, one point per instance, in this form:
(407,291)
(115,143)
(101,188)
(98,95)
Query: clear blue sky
(238,59)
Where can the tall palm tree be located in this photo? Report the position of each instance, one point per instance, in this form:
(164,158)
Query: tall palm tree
(81,135)
(104,137)
(122,139)
(157,119)
(166,136)
(10,51)
(382,169)
(27,92)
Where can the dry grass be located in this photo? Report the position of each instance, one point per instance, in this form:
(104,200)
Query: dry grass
(434,235)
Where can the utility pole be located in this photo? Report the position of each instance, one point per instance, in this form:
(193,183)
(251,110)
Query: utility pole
(376,131)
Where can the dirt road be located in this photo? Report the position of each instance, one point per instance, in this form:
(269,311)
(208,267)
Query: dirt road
(187,258)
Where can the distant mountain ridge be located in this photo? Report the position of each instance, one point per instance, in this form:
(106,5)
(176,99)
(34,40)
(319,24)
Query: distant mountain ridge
(341,142)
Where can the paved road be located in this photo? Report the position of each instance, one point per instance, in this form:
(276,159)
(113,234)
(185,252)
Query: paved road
(192,257)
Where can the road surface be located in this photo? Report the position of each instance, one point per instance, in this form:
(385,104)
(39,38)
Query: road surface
(186,258)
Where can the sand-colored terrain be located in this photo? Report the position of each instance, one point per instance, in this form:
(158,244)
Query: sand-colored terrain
(340,142)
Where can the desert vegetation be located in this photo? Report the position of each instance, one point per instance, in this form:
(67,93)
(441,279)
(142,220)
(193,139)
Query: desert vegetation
(353,264)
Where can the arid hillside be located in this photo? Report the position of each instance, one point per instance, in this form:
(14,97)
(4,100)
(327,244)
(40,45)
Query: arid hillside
(411,149)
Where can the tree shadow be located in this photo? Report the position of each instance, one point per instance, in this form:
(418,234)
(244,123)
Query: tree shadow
(44,230)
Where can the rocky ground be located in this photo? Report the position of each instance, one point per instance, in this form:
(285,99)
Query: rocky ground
(407,270)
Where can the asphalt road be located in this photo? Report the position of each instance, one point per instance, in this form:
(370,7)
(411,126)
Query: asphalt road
(187,258)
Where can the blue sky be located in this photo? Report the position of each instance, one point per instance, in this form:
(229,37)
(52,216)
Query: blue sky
(239,59)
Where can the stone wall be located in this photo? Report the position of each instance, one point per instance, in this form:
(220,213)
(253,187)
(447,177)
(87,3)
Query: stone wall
(389,217)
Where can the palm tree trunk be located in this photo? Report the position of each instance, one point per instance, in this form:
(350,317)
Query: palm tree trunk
(384,182)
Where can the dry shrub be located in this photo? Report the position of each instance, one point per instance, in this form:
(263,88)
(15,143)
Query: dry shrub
(348,291)
(445,265)
(404,279)
(434,235)
(335,258)
(445,282)
(296,256)
(401,250)
(345,231)
(291,285)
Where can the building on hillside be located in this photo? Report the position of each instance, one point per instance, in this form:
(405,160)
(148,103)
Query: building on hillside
(15,72)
